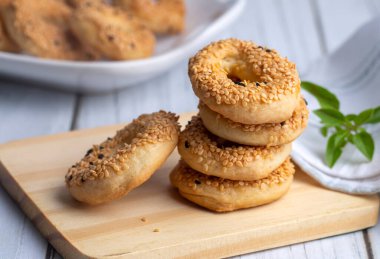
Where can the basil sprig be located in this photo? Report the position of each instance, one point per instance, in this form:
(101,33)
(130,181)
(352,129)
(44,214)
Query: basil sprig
(342,129)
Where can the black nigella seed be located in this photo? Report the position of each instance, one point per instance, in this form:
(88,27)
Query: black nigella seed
(109,138)
(197,181)
(187,145)
(100,156)
(268,50)
(260,47)
(110,37)
(283,123)
(240,83)
(57,42)
(257,84)
(89,151)
(101,147)
(91,163)
(305,101)
(265,82)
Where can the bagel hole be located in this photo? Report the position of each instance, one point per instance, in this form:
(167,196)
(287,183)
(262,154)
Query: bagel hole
(126,138)
(238,70)
(236,80)
(240,74)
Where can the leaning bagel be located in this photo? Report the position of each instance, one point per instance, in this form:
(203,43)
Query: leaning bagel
(112,169)
(39,28)
(110,33)
(162,16)
(224,195)
(269,134)
(212,155)
(244,82)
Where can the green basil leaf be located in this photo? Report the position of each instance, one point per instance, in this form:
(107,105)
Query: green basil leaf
(375,116)
(340,138)
(364,116)
(350,138)
(324,131)
(364,142)
(325,98)
(333,152)
(330,117)
(351,117)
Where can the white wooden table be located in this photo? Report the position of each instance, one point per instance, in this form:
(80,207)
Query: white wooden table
(303,30)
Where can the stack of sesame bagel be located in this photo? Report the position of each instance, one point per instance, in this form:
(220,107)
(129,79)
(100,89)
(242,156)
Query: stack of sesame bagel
(235,152)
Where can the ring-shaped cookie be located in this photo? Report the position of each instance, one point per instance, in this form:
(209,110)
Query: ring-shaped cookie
(112,169)
(222,195)
(269,134)
(244,82)
(213,155)
(40,28)
(160,16)
(110,33)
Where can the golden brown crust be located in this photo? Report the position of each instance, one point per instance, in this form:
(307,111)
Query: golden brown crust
(245,82)
(78,3)
(212,155)
(223,195)
(110,170)
(270,134)
(161,16)
(111,33)
(6,43)
(39,28)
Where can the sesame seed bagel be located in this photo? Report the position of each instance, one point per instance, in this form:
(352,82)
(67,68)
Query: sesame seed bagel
(39,28)
(162,16)
(244,82)
(110,33)
(269,134)
(213,155)
(116,166)
(224,195)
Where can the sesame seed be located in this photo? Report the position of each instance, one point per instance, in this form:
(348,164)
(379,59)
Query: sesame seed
(147,129)
(209,149)
(281,130)
(211,79)
(185,174)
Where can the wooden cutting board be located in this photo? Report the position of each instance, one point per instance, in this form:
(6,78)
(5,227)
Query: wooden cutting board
(33,170)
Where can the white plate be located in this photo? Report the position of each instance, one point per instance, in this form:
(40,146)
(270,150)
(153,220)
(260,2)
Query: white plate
(204,19)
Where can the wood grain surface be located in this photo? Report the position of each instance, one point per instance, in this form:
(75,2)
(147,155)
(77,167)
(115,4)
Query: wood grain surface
(32,171)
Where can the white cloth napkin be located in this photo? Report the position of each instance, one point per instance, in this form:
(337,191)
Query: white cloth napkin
(353,73)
